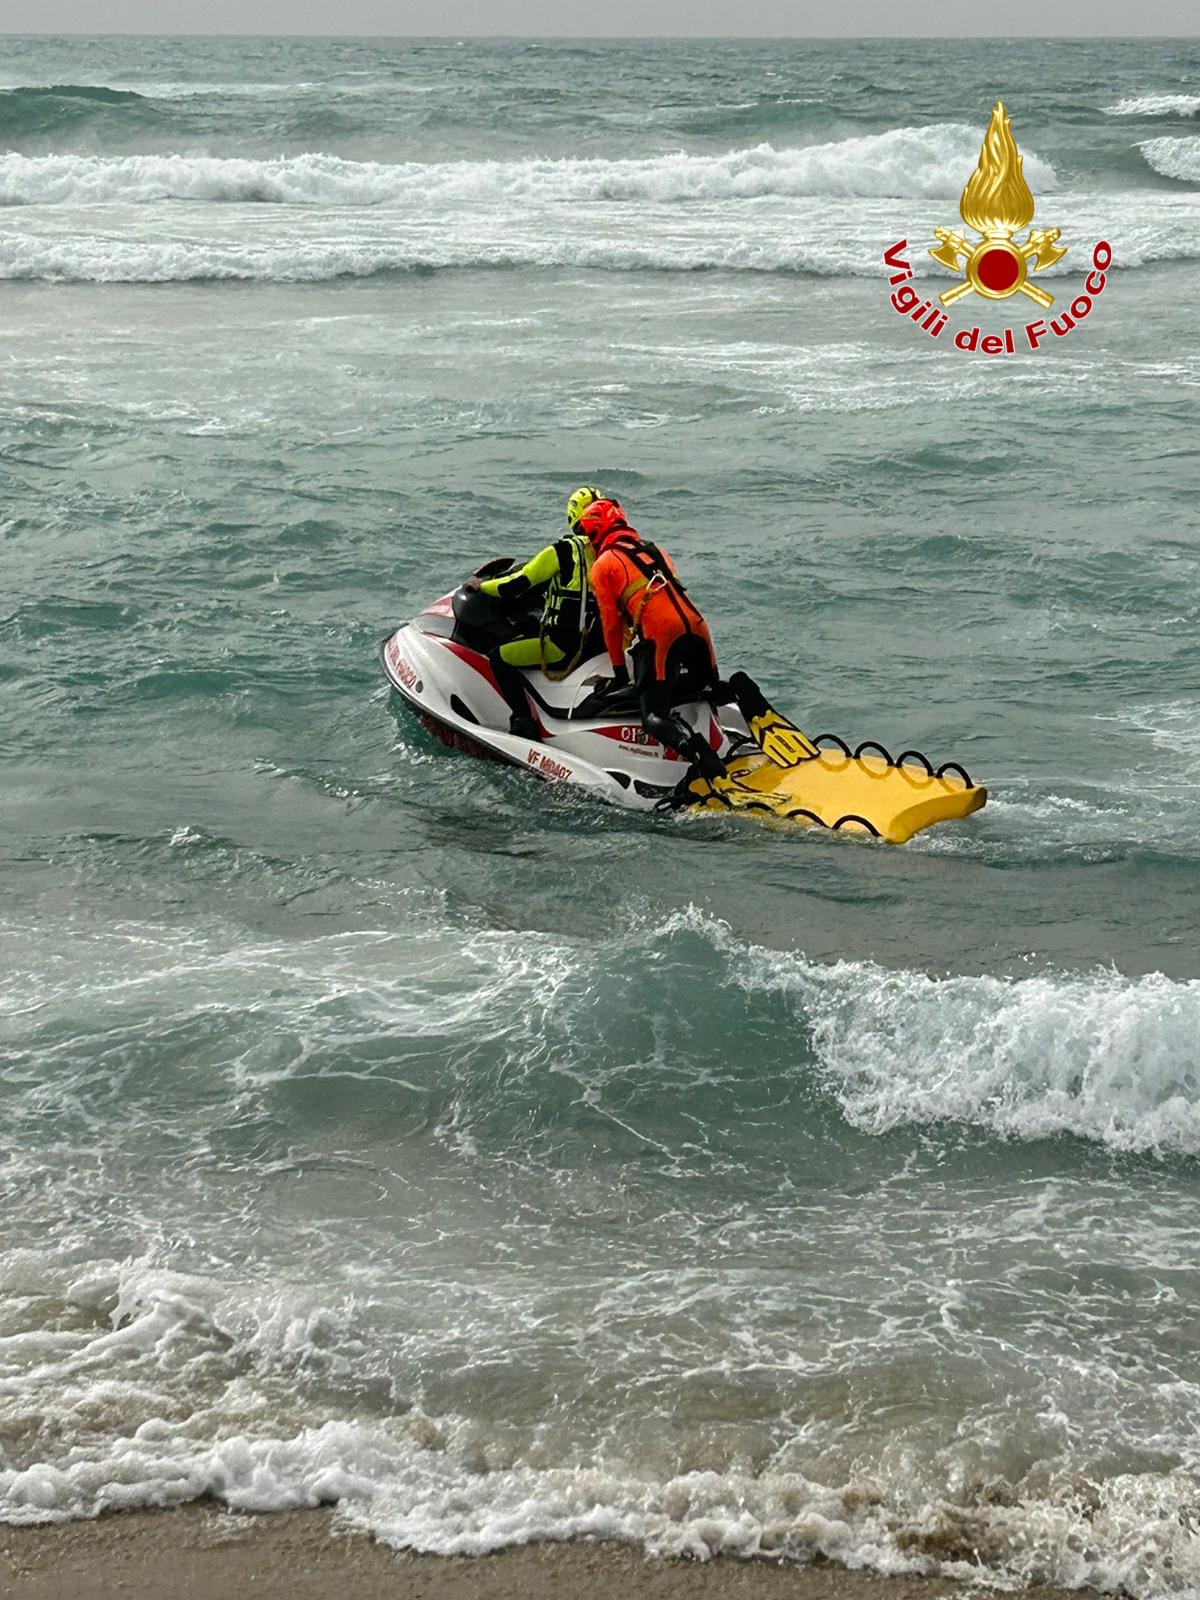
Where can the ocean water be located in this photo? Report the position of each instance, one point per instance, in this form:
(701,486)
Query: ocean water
(381,1128)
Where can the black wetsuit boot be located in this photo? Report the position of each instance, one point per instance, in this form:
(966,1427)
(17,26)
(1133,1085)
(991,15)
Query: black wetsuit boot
(511,684)
(688,676)
(670,729)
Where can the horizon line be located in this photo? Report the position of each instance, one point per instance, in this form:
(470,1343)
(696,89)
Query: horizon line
(460,36)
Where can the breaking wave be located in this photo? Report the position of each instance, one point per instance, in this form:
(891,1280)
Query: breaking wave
(1100,1056)
(1174,158)
(1104,1058)
(515,242)
(98,93)
(127,261)
(905,162)
(1156,105)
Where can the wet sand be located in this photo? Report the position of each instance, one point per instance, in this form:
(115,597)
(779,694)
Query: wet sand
(202,1552)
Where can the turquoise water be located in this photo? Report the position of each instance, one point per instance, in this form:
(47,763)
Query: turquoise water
(382,1128)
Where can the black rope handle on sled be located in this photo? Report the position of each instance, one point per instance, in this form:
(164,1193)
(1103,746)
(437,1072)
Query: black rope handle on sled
(832,739)
(915,755)
(905,758)
(953,766)
(811,816)
(797,812)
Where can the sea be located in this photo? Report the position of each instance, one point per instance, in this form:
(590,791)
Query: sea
(385,1129)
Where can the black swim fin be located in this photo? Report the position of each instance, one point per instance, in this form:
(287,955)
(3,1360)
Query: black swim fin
(779,740)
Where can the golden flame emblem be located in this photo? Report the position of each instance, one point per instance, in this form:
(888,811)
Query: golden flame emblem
(997,203)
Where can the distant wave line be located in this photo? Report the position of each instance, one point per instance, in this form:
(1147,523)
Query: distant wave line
(927,163)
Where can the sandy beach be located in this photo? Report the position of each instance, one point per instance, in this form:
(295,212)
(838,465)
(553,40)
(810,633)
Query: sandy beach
(206,1553)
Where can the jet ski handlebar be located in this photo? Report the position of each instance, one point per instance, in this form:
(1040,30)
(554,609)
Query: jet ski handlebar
(495,568)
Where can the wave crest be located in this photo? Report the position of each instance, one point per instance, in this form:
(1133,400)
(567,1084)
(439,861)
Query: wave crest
(1174,158)
(29,112)
(96,92)
(515,242)
(1156,105)
(1104,1058)
(928,163)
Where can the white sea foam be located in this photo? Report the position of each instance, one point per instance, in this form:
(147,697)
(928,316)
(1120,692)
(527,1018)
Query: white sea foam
(108,259)
(113,1431)
(829,236)
(1174,158)
(1156,105)
(928,162)
(1102,1057)
(1174,727)
(126,1384)
(314,251)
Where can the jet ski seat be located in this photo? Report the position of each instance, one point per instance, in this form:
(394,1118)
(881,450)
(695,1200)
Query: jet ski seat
(481,623)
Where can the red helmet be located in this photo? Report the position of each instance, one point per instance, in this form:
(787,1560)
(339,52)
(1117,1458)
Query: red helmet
(600,519)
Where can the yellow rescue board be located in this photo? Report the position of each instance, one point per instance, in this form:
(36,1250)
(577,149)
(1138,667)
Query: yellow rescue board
(864,794)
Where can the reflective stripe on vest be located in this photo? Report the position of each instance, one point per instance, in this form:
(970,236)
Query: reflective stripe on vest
(568,588)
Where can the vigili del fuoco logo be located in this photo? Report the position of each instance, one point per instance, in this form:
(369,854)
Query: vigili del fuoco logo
(996,204)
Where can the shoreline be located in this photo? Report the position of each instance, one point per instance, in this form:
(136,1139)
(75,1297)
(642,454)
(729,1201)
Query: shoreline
(202,1551)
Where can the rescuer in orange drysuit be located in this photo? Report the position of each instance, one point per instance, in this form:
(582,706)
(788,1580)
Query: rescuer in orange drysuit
(673,659)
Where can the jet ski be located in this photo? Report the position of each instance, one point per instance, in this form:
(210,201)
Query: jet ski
(590,734)
(438,663)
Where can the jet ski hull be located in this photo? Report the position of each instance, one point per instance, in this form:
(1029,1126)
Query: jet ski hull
(454,694)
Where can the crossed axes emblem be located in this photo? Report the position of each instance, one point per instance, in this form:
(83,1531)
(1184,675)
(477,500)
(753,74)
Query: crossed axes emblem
(1039,251)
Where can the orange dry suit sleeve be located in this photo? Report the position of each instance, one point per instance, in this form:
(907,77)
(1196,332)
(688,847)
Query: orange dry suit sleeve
(609,578)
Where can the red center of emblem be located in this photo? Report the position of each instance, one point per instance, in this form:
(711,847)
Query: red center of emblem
(998,270)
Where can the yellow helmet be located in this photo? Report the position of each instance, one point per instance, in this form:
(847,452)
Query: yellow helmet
(583,497)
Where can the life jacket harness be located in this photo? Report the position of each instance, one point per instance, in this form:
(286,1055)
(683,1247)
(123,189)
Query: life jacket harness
(654,577)
(568,609)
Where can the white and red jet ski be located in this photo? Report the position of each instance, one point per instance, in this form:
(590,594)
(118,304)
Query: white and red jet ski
(592,736)
(439,664)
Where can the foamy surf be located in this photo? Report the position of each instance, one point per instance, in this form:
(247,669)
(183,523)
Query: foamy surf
(1103,1058)
(177,243)
(909,162)
(1156,105)
(1174,158)
(162,1388)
